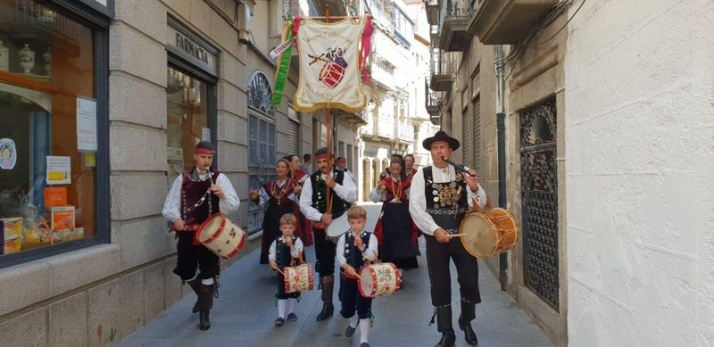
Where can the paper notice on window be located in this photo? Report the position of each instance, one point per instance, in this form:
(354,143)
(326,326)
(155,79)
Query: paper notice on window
(206,135)
(86,124)
(59,170)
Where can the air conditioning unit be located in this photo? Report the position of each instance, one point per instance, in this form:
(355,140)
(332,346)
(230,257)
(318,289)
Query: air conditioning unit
(245,17)
(243,36)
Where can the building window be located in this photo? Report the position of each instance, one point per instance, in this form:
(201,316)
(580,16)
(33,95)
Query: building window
(51,133)
(261,142)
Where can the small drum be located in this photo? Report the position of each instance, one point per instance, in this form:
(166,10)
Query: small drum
(379,279)
(221,236)
(298,278)
(331,74)
(487,233)
(337,228)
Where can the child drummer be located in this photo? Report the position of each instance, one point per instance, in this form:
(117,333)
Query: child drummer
(354,248)
(284,249)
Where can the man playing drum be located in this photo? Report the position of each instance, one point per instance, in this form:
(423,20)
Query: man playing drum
(440,197)
(313,204)
(192,199)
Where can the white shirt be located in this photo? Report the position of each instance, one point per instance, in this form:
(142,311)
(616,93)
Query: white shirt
(417,198)
(370,252)
(172,205)
(347,191)
(295,252)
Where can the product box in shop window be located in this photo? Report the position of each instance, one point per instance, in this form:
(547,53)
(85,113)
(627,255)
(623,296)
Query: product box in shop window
(12,234)
(62,218)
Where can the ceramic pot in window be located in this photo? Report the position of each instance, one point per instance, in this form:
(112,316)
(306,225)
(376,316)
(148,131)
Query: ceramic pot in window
(47,58)
(27,59)
(4,58)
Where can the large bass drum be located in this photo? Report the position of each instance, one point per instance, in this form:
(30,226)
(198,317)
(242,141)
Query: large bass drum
(337,228)
(485,233)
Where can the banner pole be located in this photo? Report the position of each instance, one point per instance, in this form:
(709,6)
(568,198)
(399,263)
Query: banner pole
(328,193)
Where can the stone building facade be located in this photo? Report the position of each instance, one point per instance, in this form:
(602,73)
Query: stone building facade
(159,76)
(578,91)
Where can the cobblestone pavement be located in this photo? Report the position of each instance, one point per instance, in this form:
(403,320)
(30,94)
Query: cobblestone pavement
(244,314)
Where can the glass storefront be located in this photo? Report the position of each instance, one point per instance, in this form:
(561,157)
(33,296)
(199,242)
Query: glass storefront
(48,128)
(190,95)
(187,119)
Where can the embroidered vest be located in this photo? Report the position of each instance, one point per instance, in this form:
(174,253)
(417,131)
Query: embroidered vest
(446,202)
(272,187)
(319,188)
(353,256)
(193,190)
(282,251)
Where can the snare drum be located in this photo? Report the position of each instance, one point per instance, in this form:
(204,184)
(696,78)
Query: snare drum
(221,236)
(487,233)
(379,279)
(298,278)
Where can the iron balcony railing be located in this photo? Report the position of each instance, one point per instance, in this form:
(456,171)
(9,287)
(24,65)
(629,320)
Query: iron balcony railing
(431,97)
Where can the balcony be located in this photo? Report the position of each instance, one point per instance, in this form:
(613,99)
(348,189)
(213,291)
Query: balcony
(405,133)
(436,120)
(358,119)
(507,21)
(432,100)
(432,11)
(441,68)
(453,34)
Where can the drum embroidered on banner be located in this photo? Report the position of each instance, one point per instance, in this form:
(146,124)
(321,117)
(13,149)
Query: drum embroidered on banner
(329,65)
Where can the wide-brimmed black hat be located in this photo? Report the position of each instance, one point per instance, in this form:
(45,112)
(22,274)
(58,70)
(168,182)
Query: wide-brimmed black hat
(441,136)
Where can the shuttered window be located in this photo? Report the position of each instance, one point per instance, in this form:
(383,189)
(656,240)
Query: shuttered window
(293,137)
(476,133)
(468,133)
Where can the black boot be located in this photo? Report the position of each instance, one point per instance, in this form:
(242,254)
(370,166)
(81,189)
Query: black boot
(195,284)
(327,283)
(468,313)
(445,327)
(205,304)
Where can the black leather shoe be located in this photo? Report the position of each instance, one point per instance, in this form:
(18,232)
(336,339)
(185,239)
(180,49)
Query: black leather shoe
(280,321)
(327,311)
(292,317)
(469,333)
(447,340)
(205,323)
(350,331)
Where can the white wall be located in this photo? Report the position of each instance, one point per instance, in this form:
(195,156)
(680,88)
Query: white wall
(639,201)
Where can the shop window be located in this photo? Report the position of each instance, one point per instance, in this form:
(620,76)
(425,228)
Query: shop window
(187,124)
(261,142)
(49,136)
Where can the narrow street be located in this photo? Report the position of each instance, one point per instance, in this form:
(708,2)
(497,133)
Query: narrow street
(244,314)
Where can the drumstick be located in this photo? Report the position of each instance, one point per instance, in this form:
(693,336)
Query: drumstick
(456,235)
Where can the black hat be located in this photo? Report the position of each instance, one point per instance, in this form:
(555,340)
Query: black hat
(441,136)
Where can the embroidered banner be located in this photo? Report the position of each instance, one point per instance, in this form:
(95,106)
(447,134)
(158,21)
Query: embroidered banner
(329,56)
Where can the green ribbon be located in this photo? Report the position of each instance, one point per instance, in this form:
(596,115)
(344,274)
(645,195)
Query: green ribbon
(282,75)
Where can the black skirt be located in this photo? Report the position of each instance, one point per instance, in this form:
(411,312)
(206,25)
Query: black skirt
(397,246)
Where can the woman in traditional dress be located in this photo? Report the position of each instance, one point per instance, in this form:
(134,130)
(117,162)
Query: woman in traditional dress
(397,240)
(280,196)
(409,161)
(300,176)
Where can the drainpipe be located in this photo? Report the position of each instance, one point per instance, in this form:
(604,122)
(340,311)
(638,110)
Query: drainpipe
(501,128)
